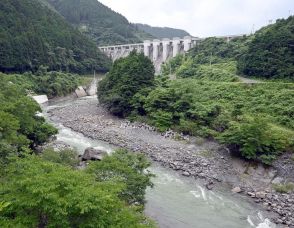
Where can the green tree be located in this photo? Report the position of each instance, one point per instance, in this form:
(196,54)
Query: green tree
(20,128)
(129,170)
(39,193)
(127,77)
(271,53)
(66,157)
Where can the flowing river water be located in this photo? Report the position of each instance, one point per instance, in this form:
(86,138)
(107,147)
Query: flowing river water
(176,201)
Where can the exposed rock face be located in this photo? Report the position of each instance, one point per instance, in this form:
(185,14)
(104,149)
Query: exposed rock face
(93,154)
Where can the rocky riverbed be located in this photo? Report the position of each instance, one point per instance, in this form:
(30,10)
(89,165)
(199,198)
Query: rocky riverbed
(192,157)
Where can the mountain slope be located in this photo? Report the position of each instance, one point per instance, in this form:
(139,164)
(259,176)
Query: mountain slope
(270,55)
(98,21)
(32,34)
(162,32)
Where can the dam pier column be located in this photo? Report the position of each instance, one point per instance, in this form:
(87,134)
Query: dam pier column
(165,49)
(147,46)
(187,43)
(176,46)
(156,44)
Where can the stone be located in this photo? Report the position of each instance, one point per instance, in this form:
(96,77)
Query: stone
(215,177)
(93,154)
(80,92)
(209,186)
(260,195)
(251,194)
(201,175)
(186,174)
(236,190)
(40,99)
(279,221)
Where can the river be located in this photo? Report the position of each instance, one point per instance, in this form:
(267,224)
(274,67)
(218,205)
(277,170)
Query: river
(176,201)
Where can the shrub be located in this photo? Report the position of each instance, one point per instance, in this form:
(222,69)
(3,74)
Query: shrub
(66,157)
(255,138)
(284,188)
(210,109)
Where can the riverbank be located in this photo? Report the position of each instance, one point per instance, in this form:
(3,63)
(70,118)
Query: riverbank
(205,160)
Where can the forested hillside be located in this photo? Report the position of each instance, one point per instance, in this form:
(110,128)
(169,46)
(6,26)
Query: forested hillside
(271,53)
(46,189)
(99,22)
(162,32)
(212,59)
(208,98)
(32,35)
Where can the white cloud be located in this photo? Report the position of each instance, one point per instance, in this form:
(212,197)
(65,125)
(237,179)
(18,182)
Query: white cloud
(204,17)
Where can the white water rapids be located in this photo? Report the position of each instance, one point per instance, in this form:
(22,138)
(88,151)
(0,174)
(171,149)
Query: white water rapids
(179,202)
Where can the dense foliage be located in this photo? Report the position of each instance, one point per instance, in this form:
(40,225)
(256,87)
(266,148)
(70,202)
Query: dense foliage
(66,157)
(254,121)
(20,128)
(227,111)
(127,77)
(271,53)
(39,193)
(47,190)
(32,35)
(42,82)
(162,32)
(99,22)
(214,59)
(128,170)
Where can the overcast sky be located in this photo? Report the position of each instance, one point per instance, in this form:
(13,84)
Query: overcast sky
(204,17)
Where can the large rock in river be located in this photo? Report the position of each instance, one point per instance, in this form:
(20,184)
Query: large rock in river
(93,154)
(80,92)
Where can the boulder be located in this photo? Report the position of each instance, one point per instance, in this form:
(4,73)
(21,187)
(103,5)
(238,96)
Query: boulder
(40,99)
(260,195)
(251,194)
(186,173)
(236,190)
(93,154)
(80,92)
(209,186)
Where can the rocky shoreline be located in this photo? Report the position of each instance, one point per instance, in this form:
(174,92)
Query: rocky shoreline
(192,157)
